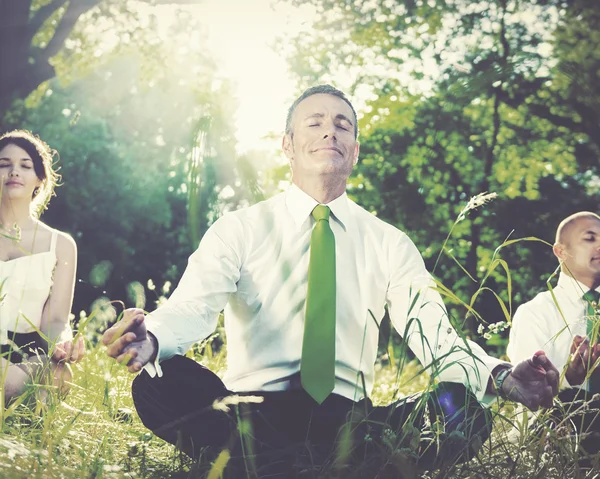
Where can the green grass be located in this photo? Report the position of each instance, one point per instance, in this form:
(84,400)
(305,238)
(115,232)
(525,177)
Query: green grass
(95,433)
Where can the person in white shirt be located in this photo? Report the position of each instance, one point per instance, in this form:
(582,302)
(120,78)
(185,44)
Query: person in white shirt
(558,320)
(253,264)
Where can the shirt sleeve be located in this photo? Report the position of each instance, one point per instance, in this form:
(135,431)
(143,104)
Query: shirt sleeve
(211,276)
(419,315)
(529,333)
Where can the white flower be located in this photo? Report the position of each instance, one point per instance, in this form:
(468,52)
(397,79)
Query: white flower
(151,285)
(475,202)
(480,200)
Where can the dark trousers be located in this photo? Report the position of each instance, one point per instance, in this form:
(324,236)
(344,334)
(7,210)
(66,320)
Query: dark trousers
(23,345)
(190,407)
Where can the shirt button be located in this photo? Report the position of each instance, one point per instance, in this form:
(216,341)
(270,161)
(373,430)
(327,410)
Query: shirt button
(449,330)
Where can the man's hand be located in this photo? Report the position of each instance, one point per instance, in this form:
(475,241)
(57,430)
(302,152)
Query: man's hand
(582,357)
(69,351)
(533,382)
(129,342)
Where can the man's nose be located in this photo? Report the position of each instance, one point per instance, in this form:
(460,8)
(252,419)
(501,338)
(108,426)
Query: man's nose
(330,132)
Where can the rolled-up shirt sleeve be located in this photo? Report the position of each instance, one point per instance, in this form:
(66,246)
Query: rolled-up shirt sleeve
(192,311)
(420,317)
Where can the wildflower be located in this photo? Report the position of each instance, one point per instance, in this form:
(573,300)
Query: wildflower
(151,285)
(475,202)
(501,326)
(480,329)
(166,287)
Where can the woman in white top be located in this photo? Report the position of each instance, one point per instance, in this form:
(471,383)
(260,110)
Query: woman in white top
(37,273)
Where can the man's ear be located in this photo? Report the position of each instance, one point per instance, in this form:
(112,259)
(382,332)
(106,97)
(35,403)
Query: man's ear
(356,152)
(560,251)
(287,146)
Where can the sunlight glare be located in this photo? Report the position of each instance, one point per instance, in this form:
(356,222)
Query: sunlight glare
(241,34)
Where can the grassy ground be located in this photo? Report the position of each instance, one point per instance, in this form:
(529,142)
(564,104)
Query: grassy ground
(96,433)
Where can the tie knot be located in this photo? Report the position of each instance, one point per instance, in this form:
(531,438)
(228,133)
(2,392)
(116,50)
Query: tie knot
(592,296)
(321,212)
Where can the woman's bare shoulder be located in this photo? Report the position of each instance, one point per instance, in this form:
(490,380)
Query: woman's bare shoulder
(65,244)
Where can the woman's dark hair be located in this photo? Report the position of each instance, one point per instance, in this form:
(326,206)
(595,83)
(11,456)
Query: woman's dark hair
(42,156)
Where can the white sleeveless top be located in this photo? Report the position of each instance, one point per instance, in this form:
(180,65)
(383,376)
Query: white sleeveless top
(25,284)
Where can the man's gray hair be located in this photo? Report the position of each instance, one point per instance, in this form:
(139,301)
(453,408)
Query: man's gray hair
(316,90)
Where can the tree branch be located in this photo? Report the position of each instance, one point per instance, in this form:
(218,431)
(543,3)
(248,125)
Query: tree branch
(66,25)
(44,14)
(543,111)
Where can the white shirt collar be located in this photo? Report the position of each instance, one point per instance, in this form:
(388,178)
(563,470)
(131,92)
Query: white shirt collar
(572,287)
(300,206)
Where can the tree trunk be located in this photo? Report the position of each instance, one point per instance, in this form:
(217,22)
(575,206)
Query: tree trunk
(472,261)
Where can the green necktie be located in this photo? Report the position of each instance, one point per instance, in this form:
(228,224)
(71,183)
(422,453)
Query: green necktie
(592,332)
(317,367)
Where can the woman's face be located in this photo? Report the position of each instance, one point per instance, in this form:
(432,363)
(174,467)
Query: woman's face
(17,174)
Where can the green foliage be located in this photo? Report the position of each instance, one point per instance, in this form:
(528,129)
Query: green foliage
(462,98)
(126,134)
(95,432)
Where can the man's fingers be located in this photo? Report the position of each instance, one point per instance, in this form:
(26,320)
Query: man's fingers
(540,360)
(547,397)
(117,347)
(122,327)
(594,353)
(553,378)
(135,367)
(585,354)
(577,340)
(111,334)
(126,357)
(542,363)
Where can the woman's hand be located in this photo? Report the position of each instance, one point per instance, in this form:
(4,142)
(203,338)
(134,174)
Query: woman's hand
(70,351)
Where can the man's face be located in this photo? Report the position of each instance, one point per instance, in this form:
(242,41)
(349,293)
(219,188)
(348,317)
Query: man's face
(322,140)
(579,250)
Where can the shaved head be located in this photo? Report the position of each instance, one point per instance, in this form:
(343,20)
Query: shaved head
(562,232)
(577,248)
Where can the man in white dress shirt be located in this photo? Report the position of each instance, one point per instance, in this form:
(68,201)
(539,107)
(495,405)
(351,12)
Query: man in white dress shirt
(253,264)
(558,321)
